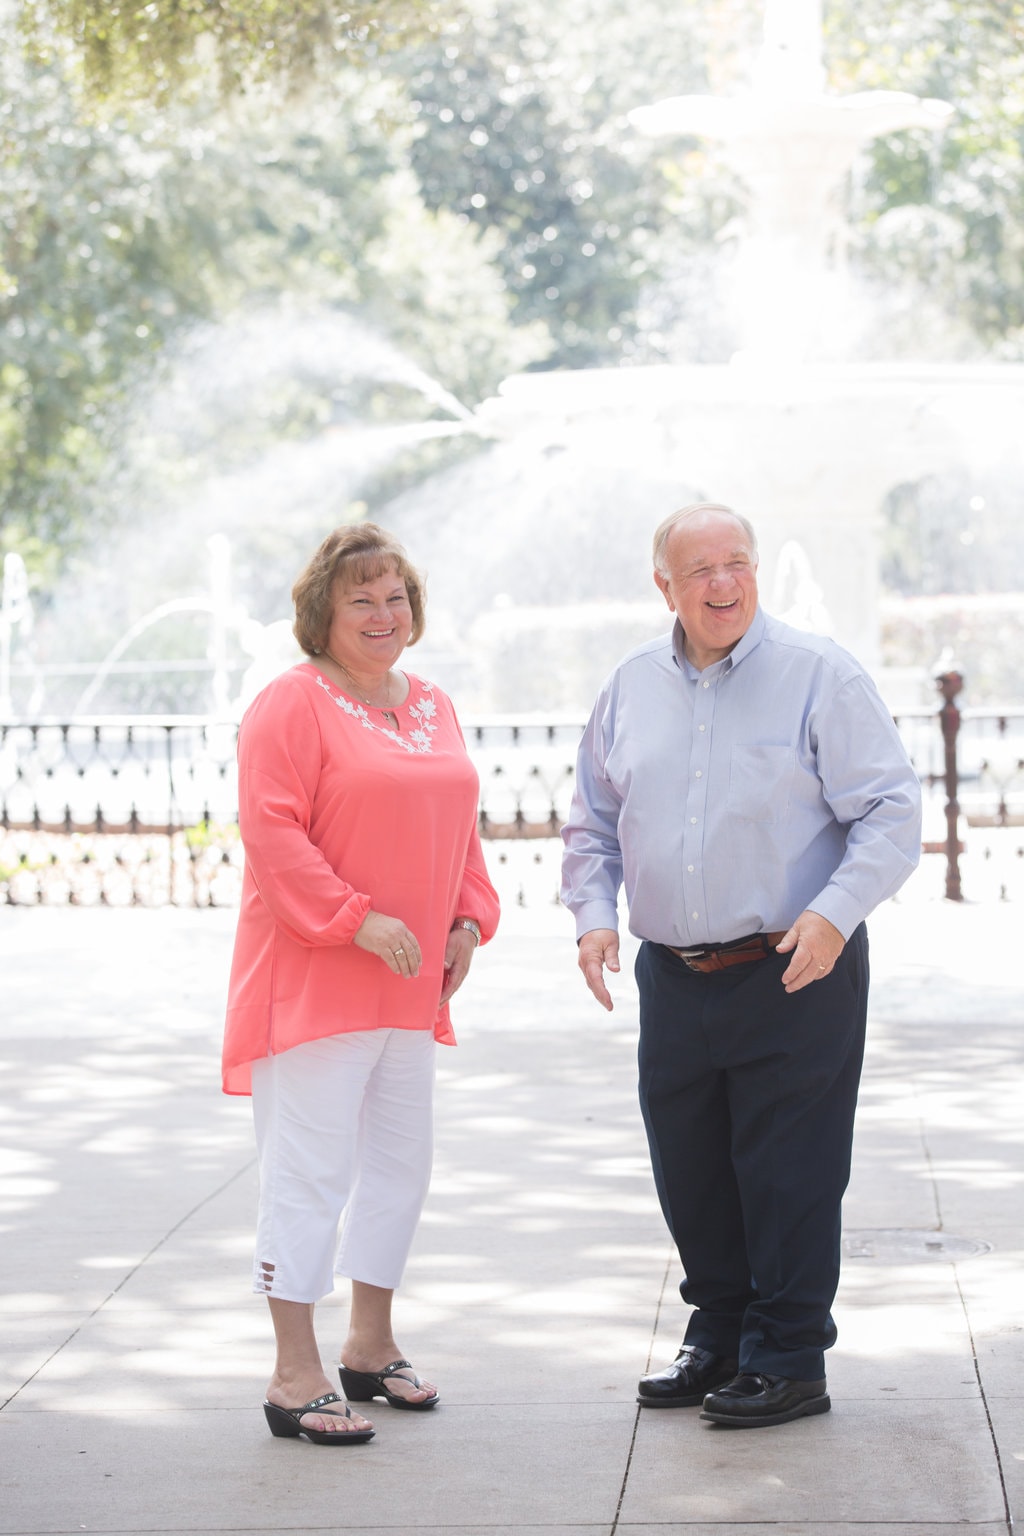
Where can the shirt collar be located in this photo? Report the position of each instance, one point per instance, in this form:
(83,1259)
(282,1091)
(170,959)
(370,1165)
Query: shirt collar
(742,648)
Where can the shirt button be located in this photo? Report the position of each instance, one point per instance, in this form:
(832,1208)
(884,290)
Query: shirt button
(702,727)
(707,685)
(695,914)
(689,869)
(700,775)
(693,821)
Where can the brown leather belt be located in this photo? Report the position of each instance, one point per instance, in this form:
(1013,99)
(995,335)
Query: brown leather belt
(715,957)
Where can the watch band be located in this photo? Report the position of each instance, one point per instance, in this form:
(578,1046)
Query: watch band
(468,923)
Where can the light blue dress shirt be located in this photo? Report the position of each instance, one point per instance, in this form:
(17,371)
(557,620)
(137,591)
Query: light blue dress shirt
(729,801)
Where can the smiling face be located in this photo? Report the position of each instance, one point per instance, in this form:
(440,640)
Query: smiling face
(710,581)
(370,625)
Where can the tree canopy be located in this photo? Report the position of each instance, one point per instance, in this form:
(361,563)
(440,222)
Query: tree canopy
(144,52)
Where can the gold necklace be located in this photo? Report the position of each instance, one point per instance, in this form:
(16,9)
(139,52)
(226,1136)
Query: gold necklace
(384,708)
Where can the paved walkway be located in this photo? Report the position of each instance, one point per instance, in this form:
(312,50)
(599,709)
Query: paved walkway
(133,1356)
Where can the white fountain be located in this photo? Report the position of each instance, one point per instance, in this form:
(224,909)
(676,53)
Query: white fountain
(559,510)
(537,548)
(792,145)
(177,608)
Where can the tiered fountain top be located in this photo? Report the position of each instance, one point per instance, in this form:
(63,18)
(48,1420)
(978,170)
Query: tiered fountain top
(792,145)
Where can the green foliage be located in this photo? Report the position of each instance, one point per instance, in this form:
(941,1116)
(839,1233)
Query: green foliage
(154,52)
(464,182)
(212,834)
(100,257)
(118,235)
(937,221)
(521,128)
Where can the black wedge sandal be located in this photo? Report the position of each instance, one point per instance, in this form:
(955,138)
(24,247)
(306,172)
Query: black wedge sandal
(285,1422)
(364,1386)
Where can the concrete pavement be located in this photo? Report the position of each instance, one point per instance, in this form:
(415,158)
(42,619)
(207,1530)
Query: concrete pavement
(134,1357)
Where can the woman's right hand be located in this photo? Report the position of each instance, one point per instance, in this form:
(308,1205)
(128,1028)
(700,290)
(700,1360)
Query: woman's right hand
(389,938)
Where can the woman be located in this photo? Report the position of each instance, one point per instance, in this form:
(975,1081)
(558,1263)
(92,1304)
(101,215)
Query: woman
(364,898)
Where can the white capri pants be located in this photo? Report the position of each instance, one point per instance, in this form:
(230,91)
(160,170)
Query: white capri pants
(344,1125)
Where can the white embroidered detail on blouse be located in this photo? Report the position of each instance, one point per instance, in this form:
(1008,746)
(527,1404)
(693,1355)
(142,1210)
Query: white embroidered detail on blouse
(423,710)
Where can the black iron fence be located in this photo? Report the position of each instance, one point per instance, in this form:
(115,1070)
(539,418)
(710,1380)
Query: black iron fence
(143,811)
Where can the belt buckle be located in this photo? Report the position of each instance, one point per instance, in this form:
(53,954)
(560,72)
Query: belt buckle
(692,954)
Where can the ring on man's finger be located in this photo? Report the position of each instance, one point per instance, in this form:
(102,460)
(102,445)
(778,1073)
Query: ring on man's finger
(398,951)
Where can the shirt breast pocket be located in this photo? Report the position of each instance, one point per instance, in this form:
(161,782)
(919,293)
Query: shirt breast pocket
(761,782)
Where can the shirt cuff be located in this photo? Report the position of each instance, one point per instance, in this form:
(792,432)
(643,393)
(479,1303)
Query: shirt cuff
(839,909)
(596,914)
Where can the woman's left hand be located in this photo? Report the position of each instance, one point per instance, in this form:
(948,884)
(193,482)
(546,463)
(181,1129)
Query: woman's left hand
(458,954)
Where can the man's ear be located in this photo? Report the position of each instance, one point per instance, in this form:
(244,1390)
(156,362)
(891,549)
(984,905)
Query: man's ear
(661,582)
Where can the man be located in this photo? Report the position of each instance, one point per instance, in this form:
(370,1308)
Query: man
(745,783)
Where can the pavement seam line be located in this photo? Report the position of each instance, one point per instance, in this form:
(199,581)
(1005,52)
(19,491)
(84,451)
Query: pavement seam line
(130,1275)
(933,1176)
(625,1476)
(639,1409)
(1007,1512)
(657,1311)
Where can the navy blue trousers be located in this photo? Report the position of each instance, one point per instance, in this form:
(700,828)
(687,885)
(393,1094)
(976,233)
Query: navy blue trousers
(748,1094)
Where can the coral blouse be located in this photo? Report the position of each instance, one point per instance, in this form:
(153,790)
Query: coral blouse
(340,814)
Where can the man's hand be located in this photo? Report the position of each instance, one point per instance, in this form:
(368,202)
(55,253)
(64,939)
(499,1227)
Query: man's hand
(599,948)
(816,947)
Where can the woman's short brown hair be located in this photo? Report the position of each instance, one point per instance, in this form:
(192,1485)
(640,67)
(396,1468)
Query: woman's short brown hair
(351,555)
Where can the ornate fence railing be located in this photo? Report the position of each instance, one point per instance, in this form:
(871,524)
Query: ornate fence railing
(143,811)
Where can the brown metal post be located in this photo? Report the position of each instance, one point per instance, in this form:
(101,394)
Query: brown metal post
(949,685)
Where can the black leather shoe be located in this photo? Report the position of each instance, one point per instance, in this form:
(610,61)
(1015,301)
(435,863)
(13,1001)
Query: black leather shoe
(752,1401)
(686,1382)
